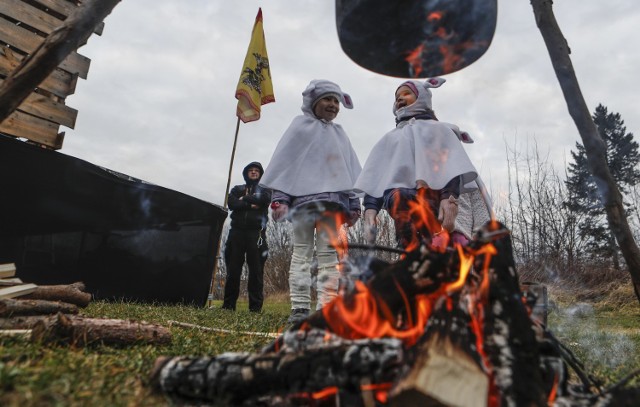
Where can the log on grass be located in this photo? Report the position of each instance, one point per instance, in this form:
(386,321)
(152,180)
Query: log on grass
(71,293)
(80,331)
(11,307)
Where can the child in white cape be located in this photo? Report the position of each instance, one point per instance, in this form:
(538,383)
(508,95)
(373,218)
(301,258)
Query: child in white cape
(312,173)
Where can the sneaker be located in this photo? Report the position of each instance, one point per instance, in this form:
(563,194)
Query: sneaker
(298,315)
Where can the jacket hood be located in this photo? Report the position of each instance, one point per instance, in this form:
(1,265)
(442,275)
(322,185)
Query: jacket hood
(246,170)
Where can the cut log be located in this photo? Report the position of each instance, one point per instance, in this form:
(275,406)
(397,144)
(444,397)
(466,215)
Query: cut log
(443,375)
(71,293)
(11,308)
(81,331)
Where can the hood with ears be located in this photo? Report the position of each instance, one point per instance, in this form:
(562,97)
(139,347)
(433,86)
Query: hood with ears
(318,88)
(423,99)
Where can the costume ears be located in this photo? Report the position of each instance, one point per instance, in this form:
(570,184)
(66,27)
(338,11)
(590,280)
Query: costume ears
(434,82)
(463,136)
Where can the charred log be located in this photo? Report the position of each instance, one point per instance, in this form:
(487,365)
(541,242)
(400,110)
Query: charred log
(510,341)
(309,362)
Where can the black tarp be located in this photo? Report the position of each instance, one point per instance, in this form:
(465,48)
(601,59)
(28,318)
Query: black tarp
(63,220)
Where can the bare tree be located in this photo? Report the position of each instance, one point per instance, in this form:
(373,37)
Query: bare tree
(595,147)
(545,235)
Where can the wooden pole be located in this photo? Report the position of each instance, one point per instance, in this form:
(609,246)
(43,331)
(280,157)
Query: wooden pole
(226,201)
(233,154)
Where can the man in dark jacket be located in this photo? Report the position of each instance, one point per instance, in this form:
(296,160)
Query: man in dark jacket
(247,240)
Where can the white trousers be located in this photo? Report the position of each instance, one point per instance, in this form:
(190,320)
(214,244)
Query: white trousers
(313,228)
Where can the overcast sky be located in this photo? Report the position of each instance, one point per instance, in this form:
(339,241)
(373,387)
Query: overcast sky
(159,101)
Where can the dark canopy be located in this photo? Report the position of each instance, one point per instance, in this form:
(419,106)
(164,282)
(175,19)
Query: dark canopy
(63,219)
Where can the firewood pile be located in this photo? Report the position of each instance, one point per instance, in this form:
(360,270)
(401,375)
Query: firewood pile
(448,328)
(50,313)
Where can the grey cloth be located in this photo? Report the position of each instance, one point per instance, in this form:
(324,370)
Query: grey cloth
(416,150)
(472,213)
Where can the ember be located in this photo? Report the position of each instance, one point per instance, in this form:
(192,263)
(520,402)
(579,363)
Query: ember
(448,328)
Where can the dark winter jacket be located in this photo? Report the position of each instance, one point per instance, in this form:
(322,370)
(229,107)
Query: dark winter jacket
(241,197)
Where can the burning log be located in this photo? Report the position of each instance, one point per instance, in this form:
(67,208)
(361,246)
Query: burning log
(10,307)
(71,293)
(311,365)
(462,330)
(81,331)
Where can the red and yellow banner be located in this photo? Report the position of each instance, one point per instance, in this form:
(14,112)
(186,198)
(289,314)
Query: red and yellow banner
(254,87)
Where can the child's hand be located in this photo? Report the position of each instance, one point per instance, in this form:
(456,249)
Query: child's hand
(279,211)
(448,212)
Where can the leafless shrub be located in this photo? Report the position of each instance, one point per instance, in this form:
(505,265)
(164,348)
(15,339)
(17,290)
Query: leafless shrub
(547,244)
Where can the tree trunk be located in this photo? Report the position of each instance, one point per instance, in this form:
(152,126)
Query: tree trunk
(594,145)
(74,32)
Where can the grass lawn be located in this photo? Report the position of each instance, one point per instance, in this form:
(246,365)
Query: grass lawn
(31,374)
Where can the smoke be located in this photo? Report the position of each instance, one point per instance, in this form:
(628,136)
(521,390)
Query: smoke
(593,343)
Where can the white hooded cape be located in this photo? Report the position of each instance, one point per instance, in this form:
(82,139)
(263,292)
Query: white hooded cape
(313,155)
(416,150)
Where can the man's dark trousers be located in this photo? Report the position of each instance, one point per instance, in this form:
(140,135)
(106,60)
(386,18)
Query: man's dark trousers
(241,243)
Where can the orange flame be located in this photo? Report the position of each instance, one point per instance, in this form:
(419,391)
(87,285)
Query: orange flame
(434,16)
(366,316)
(337,235)
(414,58)
(324,393)
(554,390)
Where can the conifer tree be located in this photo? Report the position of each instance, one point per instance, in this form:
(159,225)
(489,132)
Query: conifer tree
(622,159)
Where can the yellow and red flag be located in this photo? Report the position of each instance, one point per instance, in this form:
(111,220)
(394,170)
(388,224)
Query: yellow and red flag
(254,87)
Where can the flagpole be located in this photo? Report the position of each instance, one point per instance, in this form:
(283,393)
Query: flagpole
(226,201)
(233,153)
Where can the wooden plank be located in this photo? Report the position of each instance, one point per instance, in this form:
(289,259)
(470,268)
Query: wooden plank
(10,281)
(7,270)
(28,41)
(20,124)
(65,8)
(48,109)
(18,290)
(45,107)
(60,83)
(29,15)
